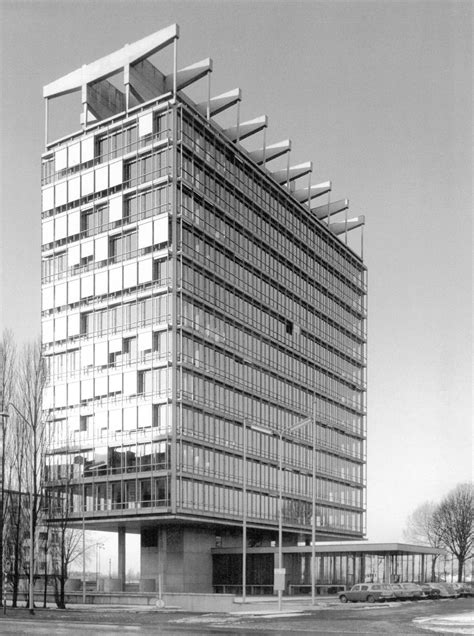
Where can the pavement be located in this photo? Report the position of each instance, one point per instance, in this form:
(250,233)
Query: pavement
(258,605)
(259,614)
(451,624)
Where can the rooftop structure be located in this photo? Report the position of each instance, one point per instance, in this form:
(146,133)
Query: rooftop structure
(204,321)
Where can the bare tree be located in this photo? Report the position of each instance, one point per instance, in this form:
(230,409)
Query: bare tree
(65,542)
(454,523)
(22,382)
(421,530)
(32,377)
(16,508)
(7,368)
(7,375)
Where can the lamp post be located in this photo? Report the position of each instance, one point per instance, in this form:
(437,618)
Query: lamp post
(244,514)
(98,548)
(3,588)
(266,431)
(83,542)
(313,509)
(288,429)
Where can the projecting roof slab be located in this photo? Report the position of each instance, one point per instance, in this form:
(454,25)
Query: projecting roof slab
(112,63)
(343,548)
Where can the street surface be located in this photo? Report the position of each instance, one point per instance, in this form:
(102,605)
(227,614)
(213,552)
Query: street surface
(401,619)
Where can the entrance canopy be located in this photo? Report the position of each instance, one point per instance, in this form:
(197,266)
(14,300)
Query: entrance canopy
(337,566)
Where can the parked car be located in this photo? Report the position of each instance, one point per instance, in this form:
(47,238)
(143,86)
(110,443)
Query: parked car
(368,592)
(400,593)
(467,587)
(414,591)
(463,589)
(431,590)
(446,590)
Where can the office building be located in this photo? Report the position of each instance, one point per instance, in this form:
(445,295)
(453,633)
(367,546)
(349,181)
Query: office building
(200,301)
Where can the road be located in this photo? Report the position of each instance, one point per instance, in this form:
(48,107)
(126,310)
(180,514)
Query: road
(400,619)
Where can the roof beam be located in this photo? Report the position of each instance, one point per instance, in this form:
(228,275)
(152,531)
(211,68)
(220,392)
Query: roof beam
(271,152)
(111,64)
(104,99)
(247,128)
(189,74)
(347,226)
(323,211)
(293,172)
(146,81)
(219,103)
(314,191)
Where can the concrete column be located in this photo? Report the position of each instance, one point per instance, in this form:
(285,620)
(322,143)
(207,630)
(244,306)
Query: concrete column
(423,575)
(321,567)
(121,557)
(387,569)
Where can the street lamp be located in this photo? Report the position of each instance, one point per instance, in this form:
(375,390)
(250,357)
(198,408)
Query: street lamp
(267,431)
(313,509)
(244,514)
(3,588)
(83,503)
(288,429)
(98,548)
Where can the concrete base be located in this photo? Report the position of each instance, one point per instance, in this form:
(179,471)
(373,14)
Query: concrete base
(119,599)
(112,585)
(201,602)
(147,585)
(188,602)
(73,585)
(180,555)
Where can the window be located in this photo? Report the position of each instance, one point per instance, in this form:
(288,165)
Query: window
(116,143)
(145,495)
(84,422)
(160,271)
(86,323)
(122,246)
(129,347)
(131,171)
(54,266)
(144,382)
(160,342)
(156,415)
(161,490)
(101,217)
(87,221)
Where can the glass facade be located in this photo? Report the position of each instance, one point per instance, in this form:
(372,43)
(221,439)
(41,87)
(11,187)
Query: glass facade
(187,297)
(336,568)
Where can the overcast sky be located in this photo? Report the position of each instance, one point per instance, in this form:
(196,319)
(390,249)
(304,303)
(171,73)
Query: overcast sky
(378,96)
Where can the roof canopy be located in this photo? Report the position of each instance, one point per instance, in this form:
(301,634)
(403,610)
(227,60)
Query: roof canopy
(104,96)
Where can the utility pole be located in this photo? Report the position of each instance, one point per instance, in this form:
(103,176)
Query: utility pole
(3,574)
